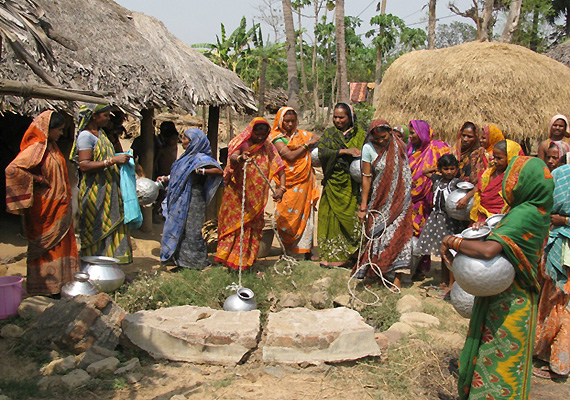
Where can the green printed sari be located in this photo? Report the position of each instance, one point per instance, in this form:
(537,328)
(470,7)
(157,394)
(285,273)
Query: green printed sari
(338,227)
(496,360)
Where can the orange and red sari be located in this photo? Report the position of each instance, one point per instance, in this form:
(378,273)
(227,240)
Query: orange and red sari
(256,193)
(294,214)
(37,186)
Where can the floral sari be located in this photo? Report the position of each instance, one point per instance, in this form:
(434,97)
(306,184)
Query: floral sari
(552,343)
(52,252)
(390,200)
(294,215)
(487,199)
(256,193)
(339,228)
(496,360)
(423,157)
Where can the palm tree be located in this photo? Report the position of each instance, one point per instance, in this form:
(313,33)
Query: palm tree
(292,76)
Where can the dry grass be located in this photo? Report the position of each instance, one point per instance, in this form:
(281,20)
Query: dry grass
(503,84)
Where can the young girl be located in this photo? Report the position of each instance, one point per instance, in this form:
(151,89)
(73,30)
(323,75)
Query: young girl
(487,199)
(439,224)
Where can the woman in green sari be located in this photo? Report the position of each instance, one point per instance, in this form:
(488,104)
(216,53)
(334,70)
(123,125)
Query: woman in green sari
(101,216)
(496,360)
(339,227)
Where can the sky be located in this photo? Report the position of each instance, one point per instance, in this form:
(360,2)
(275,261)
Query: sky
(198,21)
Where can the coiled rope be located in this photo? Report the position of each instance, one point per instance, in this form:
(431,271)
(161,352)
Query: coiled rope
(376,216)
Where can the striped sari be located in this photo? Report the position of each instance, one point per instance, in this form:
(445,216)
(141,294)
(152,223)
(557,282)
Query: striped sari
(101,218)
(496,360)
(52,251)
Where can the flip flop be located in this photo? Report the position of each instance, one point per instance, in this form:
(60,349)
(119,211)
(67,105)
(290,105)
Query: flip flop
(542,373)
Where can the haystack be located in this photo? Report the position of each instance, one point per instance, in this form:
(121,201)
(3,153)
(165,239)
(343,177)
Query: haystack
(561,53)
(487,83)
(101,46)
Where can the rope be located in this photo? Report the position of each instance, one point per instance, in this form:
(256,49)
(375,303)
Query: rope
(364,267)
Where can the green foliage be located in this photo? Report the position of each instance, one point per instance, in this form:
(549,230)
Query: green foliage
(447,35)
(364,113)
(20,389)
(392,31)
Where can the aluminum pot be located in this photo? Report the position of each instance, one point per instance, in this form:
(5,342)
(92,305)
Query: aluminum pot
(104,272)
(481,277)
(80,286)
(315,161)
(356,170)
(147,191)
(461,300)
(241,301)
(451,202)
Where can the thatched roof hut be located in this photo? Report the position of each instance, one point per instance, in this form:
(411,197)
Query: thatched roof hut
(102,46)
(561,53)
(507,85)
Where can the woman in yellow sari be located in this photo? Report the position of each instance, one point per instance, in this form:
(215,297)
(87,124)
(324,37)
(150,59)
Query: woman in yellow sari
(294,215)
(37,186)
(237,245)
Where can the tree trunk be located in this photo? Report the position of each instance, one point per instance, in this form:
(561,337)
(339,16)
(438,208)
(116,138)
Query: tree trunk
(534,39)
(342,87)
(147,160)
(314,65)
(292,77)
(512,21)
(261,99)
(486,16)
(302,60)
(378,73)
(431,25)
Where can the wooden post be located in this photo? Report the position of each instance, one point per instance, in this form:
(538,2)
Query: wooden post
(147,159)
(213,128)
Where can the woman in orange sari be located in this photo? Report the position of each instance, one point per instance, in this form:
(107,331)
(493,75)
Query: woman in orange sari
(294,215)
(251,146)
(483,156)
(487,199)
(37,186)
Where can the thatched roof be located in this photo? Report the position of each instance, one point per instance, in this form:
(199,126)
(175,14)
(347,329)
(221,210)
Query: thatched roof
(102,46)
(561,53)
(503,84)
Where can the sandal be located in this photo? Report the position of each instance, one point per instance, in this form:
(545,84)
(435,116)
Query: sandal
(542,373)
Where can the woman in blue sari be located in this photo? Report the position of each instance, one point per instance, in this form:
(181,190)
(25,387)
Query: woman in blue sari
(193,181)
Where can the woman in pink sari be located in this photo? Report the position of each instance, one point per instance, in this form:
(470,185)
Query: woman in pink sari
(423,152)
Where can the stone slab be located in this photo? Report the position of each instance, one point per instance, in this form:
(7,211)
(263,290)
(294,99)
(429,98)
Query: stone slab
(298,335)
(409,303)
(419,320)
(33,307)
(194,334)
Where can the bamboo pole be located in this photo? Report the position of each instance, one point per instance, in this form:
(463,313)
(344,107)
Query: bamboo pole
(15,88)
(147,159)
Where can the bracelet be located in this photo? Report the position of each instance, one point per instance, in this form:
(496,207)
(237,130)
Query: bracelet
(107,162)
(566,222)
(455,243)
(306,146)
(367,175)
(363,209)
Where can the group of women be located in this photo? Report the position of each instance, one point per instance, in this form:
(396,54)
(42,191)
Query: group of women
(391,206)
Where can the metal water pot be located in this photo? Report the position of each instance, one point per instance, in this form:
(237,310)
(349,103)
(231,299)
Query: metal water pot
(104,272)
(241,301)
(451,202)
(147,191)
(80,286)
(461,300)
(356,170)
(315,161)
(481,277)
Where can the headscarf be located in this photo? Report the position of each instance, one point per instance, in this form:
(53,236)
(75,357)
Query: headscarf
(19,182)
(459,153)
(557,117)
(278,122)
(86,111)
(198,154)
(350,112)
(424,132)
(494,136)
(404,130)
(377,123)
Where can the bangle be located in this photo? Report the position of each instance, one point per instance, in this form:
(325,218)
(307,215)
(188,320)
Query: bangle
(364,209)
(367,175)
(566,222)
(107,162)
(455,243)
(306,146)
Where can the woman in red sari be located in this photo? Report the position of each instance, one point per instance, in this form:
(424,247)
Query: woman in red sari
(488,200)
(37,186)
(250,147)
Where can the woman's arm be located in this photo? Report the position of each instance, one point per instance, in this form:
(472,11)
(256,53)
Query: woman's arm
(291,155)
(366,184)
(462,203)
(86,163)
(281,189)
(353,151)
(209,171)
(472,248)
(429,171)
